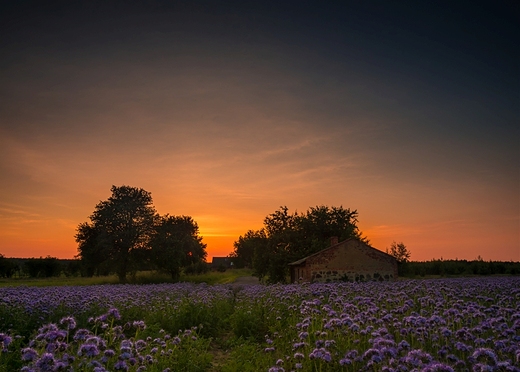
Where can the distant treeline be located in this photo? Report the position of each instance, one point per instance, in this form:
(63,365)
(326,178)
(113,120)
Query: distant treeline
(53,267)
(38,267)
(458,268)
(47,267)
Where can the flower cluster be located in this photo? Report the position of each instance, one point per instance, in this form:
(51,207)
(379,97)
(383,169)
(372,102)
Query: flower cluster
(405,326)
(429,325)
(70,349)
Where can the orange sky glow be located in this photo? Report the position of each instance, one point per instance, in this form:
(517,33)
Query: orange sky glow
(226,114)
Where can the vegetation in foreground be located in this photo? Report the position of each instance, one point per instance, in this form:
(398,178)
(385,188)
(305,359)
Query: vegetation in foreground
(411,325)
(141,277)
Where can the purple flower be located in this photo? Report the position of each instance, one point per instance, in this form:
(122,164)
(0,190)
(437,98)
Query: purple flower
(81,334)
(69,322)
(418,358)
(121,366)
(462,347)
(320,353)
(46,362)
(114,313)
(28,354)
(139,324)
(485,355)
(374,355)
(54,335)
(140,345)
(5,340)
(89,350)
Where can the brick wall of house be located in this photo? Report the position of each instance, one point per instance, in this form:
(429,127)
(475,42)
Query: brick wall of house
(351,260)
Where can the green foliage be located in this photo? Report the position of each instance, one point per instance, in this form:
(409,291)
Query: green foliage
(402,255)
(7,267)
(196,268)
(120,227)
(249,321)
(215,277)
(246,246)
(247,356)
(125,235)
(287,237)
(176,243)
(460,268)
(42,267)
(399,251)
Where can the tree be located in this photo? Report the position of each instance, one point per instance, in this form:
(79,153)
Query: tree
(7,267)
(399,252)
(292,236)
(42,267)
(94,250)
(119,228)
(245,246)
(402,255)
(176,244)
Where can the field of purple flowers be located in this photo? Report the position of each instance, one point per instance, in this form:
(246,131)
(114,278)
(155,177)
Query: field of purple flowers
(414,325)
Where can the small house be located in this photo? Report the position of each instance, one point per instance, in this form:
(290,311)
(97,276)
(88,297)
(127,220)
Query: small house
(221,263)
(349,260)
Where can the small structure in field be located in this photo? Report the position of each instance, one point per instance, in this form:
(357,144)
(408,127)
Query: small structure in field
(221,263)
(351,260)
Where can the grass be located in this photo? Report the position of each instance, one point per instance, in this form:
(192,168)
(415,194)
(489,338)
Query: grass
(143,277)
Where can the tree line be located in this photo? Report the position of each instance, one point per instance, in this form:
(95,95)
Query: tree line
(125,233)
(441,267)
(38,267)
(287,237)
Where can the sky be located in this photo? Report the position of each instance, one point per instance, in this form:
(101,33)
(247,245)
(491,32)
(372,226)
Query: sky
(225,111)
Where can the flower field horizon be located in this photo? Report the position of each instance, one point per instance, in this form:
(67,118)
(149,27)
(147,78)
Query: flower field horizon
(457,324)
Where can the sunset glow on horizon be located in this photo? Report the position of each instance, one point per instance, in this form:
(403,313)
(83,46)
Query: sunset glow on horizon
(227,112)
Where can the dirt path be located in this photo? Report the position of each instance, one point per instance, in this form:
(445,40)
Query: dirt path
(220,352)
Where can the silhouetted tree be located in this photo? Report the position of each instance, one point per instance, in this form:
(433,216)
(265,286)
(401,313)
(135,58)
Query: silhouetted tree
(7,267)
(245,246)
(42,267)
(399,251)
(119,228)
(291,236)
(93,249)
(176,244)
(401,254)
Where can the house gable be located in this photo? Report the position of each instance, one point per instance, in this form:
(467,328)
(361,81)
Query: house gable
(221,262)
(350,260)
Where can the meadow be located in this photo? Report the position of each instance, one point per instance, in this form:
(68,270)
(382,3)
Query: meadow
(456,324)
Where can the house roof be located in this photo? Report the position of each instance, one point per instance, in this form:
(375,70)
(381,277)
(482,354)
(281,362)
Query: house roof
(226,261)
(299,262)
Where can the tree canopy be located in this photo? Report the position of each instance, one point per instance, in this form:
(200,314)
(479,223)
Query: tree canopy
(399,252)
(176,243)
(125,230)
(287,237)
